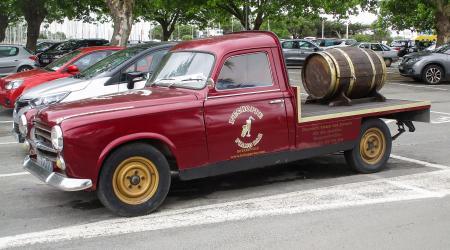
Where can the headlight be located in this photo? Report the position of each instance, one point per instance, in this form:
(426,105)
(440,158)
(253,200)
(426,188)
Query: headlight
(47,100)
(23,129)
(14,84)
(57,138)
(413,60)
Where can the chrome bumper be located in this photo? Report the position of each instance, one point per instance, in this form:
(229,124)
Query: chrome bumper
(55,179)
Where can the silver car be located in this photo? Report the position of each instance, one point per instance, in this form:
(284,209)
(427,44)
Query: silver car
(296,50)
(389,55)
(15,58)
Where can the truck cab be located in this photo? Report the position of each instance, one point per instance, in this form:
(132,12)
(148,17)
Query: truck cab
(213,106)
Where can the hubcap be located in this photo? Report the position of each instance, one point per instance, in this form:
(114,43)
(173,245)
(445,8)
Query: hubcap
(433,75)
(372,146)
(135,180)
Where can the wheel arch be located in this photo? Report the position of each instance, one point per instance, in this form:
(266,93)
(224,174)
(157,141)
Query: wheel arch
(162,143)
(433,63)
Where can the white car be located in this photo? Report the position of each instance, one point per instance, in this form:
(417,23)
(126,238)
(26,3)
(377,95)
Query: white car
(15,58)
(124,70)
(389,55)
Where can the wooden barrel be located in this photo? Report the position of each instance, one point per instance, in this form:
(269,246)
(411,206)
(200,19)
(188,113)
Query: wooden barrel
(351,71)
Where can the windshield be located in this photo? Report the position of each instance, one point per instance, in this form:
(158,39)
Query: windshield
(69,45)
(57,64)
(443,49)
(184,69)
(110,62)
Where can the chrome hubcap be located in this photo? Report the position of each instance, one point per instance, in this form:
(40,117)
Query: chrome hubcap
(433,75)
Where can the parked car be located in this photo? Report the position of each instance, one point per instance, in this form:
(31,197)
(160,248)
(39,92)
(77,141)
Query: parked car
(389,55)
(15,58)
(58,51)
(295,51)
(12,86)
(45,45)
(403,47)
(334,42)
(124,70)
(432,67)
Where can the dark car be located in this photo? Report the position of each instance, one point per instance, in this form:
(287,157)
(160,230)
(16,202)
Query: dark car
(58,51)
(433,67)
(295,51)
(44,46)
(403,47)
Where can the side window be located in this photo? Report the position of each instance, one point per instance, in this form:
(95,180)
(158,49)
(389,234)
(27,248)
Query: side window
(376,47)
(245,71)
(290,45)
(90,59)
(306,45)
(385,48)
(148,63)
(6,51)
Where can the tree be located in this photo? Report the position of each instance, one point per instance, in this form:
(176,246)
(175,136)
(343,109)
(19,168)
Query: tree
(170,13)
(8,15)
(121,12)
(34,12)
(420,15)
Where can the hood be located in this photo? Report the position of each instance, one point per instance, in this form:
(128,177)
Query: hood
(26,74)
(418,54)
(55,86)
(132,99)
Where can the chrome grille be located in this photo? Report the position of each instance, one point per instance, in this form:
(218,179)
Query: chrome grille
(43,141)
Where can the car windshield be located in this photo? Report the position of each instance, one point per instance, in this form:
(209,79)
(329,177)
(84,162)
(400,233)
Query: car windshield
(110,62)
(183,69)
(443,49)
(69,45)
(57,64)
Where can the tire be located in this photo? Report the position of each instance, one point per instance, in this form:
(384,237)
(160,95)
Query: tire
(134,180)
(433,74)
(388,62)
(373,149)
(24,68)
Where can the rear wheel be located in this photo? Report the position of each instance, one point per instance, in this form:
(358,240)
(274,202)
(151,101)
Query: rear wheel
(134,180)
(372,152)
(433,74)
(24,68)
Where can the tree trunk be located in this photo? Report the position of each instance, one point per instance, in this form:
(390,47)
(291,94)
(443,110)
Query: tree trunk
(122,15)
(442,27)
(34,12)
(4,20)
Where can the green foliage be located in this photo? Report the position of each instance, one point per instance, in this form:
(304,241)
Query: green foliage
(362,38)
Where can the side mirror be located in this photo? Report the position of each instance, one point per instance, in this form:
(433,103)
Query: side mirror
(72,69)
(210,83)
(133,77)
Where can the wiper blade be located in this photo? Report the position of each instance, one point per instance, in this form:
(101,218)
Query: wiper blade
(193,79)
(160,80)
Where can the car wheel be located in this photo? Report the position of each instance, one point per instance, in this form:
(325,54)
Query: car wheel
(388,62)
(373,149)
(134,180)
(24,68)
(433,74)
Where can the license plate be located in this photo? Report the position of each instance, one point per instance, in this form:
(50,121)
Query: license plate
(45,163)
(45,61)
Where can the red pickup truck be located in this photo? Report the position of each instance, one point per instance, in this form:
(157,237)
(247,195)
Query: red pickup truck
(214,106)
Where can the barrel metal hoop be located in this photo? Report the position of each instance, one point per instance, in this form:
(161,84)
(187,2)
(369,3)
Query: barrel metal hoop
(352,71)
(333,74)
(383,65)
(373,68)
(338,73)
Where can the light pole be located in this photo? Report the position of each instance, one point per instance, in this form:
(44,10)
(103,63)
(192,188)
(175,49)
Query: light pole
(323,27)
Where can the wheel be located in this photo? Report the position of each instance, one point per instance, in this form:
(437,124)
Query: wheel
(388,62)
(134,180)
(433,74)
(372,152)
(24,68)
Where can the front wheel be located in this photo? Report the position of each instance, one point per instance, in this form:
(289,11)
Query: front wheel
(388,62)
(433,74)
(372,152)
(134,180)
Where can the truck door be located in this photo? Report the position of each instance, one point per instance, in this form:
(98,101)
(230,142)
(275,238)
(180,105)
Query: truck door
(245,114)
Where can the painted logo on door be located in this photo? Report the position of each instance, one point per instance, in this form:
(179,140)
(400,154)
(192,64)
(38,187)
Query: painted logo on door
(248,137)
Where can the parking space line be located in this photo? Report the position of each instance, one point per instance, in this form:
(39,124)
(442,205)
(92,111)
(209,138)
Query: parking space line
(377,191)
(442,113)
(14,174)
(423,163)
(7,143)
(6,121)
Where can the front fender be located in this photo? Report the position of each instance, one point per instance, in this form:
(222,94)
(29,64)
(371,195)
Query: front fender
(134,137)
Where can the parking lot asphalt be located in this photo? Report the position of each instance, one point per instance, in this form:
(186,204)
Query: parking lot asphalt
(311,204)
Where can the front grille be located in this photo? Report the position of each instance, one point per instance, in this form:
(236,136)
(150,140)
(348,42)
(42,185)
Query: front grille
(43,141)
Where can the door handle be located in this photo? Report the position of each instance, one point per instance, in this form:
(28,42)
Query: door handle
(276,101)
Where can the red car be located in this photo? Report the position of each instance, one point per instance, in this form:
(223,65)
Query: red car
(11,87)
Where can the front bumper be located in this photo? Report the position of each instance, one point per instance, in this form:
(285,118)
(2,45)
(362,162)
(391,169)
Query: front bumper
(54,179)
(408,70)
